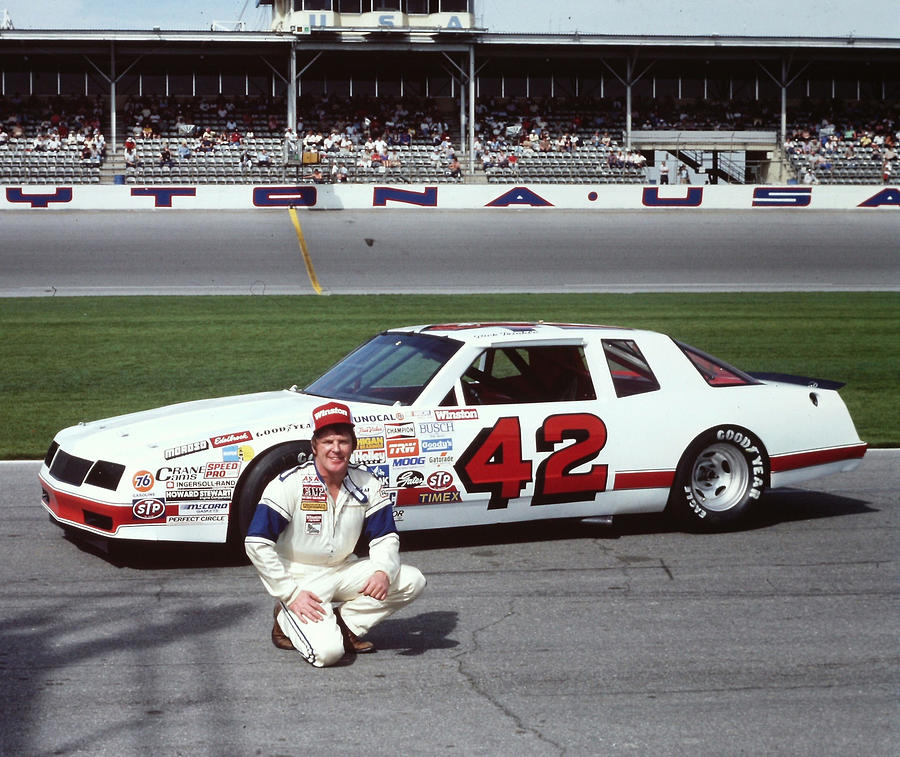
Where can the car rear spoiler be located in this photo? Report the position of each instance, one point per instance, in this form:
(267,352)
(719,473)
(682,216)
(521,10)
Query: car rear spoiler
(812,383)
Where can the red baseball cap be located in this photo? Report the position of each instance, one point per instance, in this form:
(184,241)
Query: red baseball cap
(330,414)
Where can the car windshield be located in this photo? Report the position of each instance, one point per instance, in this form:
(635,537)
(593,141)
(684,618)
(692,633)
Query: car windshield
(392,368)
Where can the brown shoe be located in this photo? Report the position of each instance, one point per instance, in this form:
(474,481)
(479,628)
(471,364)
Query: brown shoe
(279,637)
(352,643)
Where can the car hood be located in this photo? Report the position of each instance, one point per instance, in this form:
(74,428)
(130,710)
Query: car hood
(219,422)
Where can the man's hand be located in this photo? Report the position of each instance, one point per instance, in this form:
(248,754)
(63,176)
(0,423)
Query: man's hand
(307,605)
(377,585)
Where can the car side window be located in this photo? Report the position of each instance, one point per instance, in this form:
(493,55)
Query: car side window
(631,374)
(528,374)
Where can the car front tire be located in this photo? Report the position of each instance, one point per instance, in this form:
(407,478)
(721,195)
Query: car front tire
(250,488)
(720,477)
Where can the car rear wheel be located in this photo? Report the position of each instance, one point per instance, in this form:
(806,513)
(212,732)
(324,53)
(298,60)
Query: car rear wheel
(720,477)
(251,486)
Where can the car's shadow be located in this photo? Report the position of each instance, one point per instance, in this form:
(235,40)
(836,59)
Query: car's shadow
(777,506)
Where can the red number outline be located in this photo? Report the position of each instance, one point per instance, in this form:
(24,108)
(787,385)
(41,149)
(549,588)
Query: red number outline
(554,481)
(495,449)
(493,461)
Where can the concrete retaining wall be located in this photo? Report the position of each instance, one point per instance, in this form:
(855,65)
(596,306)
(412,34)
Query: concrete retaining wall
(451,196)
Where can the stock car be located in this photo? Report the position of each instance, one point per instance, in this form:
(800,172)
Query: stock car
(470,424)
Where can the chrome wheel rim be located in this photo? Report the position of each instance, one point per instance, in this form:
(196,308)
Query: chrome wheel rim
(719,477)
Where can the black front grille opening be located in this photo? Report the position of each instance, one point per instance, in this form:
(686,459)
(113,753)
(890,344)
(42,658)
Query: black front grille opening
(48,458)
(96,520)
(105,474)
(70,469)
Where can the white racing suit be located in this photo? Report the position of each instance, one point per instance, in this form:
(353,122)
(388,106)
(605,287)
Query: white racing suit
(301,538)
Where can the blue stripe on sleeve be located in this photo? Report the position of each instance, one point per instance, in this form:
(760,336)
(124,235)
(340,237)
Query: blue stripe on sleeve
(267,523)
(378,524)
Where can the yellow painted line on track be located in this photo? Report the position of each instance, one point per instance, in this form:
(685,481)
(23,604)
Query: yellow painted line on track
(303,249)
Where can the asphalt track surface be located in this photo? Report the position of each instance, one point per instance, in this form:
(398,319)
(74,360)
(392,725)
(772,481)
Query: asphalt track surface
(558,639)
(437,251)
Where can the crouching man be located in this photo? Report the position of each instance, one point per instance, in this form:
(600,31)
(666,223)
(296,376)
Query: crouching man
(301,542)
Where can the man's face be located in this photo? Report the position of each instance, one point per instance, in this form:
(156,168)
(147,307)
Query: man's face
(331,451)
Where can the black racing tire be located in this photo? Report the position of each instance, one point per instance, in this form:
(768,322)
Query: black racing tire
(720,477)
(250,488)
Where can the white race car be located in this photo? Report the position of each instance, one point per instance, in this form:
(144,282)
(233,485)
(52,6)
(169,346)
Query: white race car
(470,424)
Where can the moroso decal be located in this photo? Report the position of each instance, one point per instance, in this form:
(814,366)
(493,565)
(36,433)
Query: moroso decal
(163,195)
(285,197)
(428,198)
(519,196)
(887,196)
(15,194)
(782,197)
(651,199)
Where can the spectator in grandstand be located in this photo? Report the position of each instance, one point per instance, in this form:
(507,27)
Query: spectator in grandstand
(316,176)
(4,136)
(393,158)
(184,151)
(100,143)
(664,172)
(165,157)
(130,156)
(263,158)
(454,169)
(246,161)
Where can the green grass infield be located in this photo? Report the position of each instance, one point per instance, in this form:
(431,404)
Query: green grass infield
(81,358)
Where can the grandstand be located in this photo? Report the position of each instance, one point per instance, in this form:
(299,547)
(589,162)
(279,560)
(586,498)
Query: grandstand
(430,98)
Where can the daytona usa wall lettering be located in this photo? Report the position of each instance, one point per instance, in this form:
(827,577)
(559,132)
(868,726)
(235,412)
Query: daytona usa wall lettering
(493,461)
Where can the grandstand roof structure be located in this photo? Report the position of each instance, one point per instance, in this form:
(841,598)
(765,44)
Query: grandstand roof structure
(116,63)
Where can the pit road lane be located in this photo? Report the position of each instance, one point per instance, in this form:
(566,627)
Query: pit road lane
(555,639)
(437,251)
